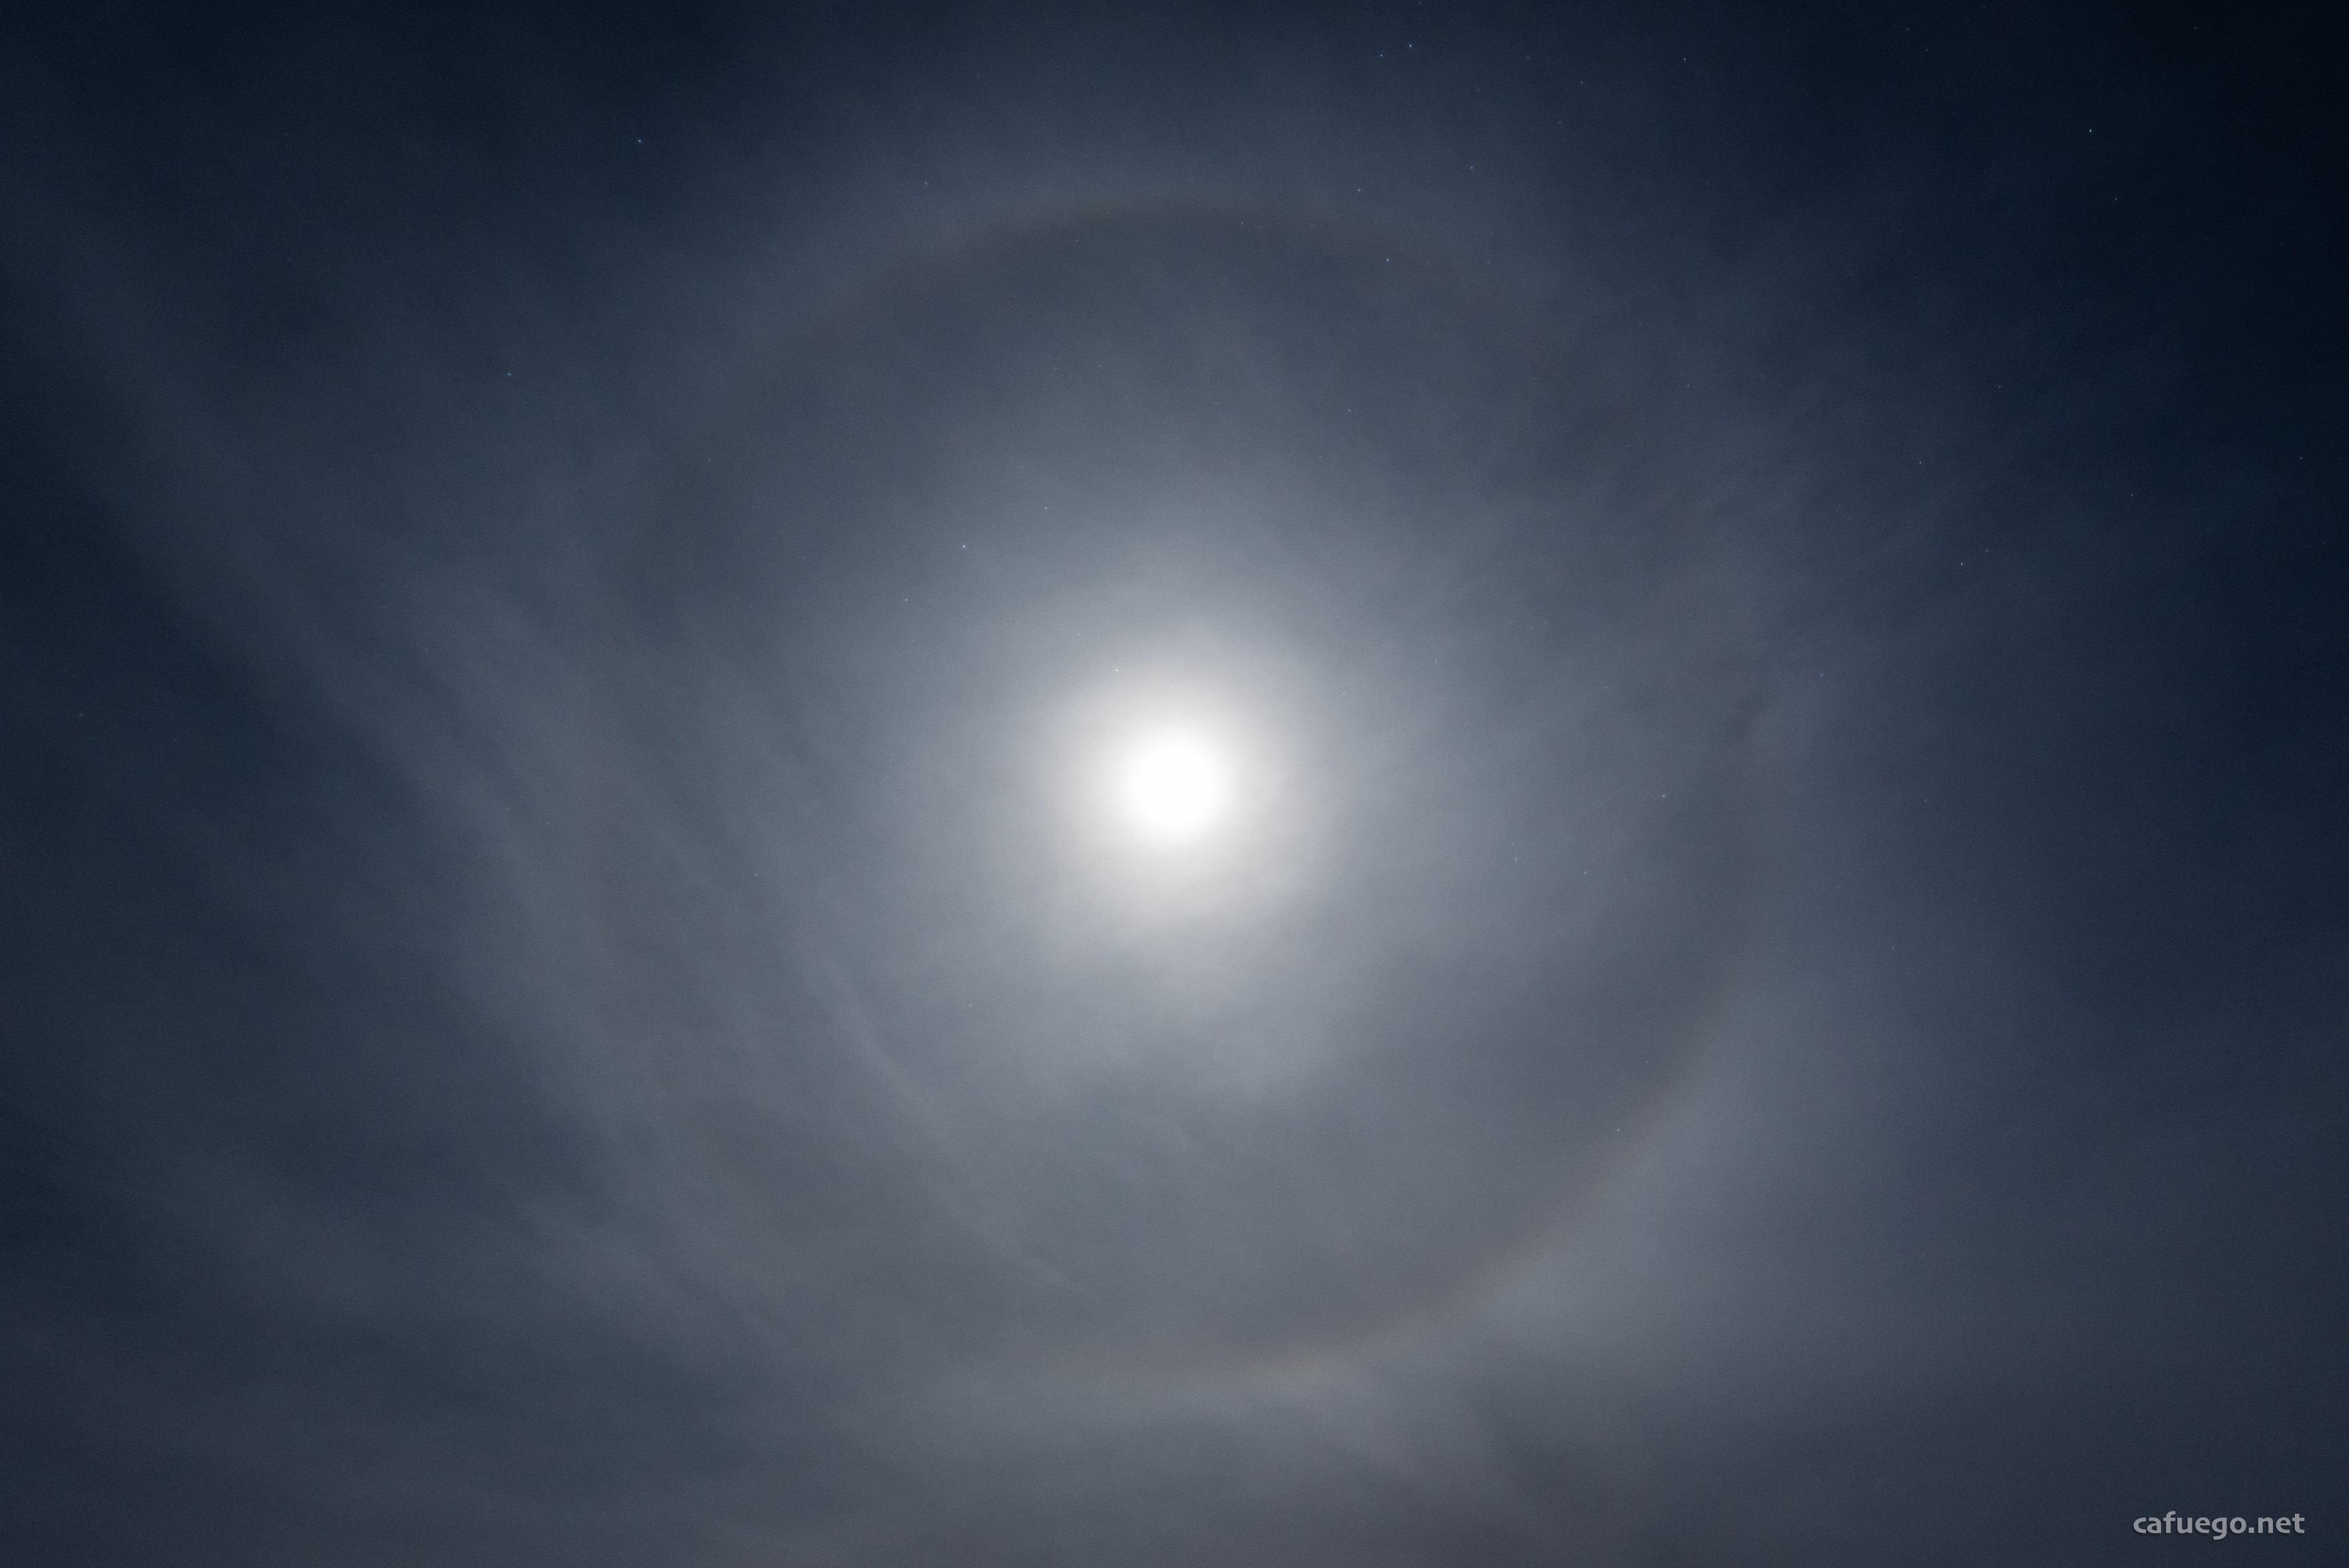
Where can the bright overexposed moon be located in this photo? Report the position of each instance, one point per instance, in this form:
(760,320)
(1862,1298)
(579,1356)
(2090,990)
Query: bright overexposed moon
(1174,787)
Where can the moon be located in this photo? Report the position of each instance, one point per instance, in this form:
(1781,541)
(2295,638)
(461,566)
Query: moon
(1174,788)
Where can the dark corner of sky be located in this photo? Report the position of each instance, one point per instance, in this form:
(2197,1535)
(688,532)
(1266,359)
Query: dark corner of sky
(1158,785)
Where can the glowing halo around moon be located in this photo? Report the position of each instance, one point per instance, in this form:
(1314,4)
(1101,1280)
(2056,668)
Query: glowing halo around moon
(1225,916)
(1174,788)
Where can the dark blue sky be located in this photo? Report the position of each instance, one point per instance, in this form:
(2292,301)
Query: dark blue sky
(1770,588)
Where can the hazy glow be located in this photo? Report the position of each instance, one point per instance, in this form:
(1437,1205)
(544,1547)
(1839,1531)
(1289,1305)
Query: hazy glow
(1174,787)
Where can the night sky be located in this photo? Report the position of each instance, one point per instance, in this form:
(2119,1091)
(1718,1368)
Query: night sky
(1744,957)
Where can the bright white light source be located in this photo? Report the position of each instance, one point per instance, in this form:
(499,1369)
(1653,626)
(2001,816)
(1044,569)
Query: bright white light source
(1174,787)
